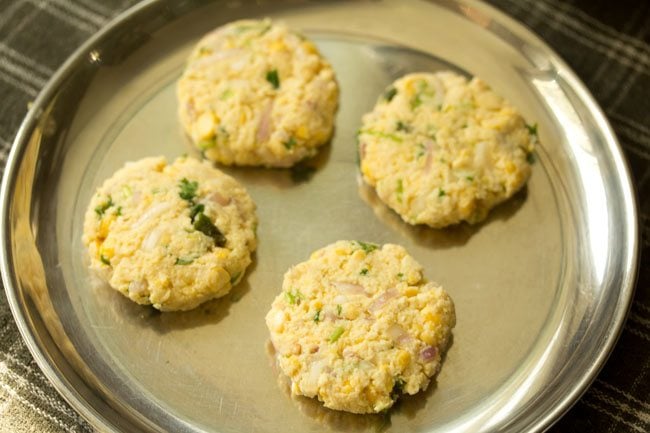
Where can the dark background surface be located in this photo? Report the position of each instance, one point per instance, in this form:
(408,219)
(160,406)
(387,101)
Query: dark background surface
(606,43)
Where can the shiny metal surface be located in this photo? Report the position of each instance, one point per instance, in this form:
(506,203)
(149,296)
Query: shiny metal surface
(541,288)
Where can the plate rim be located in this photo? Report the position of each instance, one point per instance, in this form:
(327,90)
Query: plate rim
(96,419)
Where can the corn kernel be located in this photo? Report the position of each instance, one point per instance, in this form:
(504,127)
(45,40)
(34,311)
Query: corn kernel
(302,132)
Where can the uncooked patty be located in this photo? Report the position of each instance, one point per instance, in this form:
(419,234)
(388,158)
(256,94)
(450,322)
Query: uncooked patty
(170,235)
(357,325)
(257,93)
(440,149)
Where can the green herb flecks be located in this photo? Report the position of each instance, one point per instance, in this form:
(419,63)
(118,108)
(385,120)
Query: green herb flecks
(317,316)
(400,276)
(334,336)
(364,271)
(367,246)
(441,192)
(203,224)
(126,191)
(273,78)
(290,143)
(401,126)
(207,143)
(416,101)
(398,388)
(470,178)
(187,189)
(339,310)
(183,261)
(104,259)
(294,297)
(390,93)
(382,135)
(226,94)
(421,150)
(195,210)
(204,51)
(399,190)
(102,208)
(530,157)
(532,129)
(234,278)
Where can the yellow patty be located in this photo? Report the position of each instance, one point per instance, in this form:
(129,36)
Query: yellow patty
(440,149)
(256,93)
(170,235)
(357,325)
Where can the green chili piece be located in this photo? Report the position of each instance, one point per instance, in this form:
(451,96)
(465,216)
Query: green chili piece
(273,78)
(336,334)
(203,224)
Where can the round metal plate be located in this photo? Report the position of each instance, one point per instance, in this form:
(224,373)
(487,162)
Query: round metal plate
(541,288)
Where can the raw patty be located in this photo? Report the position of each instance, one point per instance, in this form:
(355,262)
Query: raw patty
(257,93)
(356,325)
(440,150)
(170,235)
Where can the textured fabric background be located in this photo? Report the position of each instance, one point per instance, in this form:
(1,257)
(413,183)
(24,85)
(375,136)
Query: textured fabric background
(608,45)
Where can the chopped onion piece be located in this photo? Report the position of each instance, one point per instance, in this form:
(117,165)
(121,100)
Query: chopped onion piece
(220,199)
(429,353)
(349,288)
(264,128)
(152,212)
(395,332)
(137,287)
(151,241)
(382,299)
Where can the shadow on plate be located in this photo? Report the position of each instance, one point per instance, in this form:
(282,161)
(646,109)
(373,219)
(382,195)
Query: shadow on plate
(281,178)
(449,237)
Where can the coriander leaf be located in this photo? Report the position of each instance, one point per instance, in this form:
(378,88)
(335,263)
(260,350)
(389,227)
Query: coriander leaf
(104,260)
(188,189)
(273,78)
(195,210)
(207,143)
(290,143)
(401,126)
(416,102)
(364,271)
(205,226)
(390,93)
(441,192)
(317,316)
(182,261)
(102,208)
(470,178)
(294,297)
(400,275)
(532,129)
(336,334)
(530,158)
(399,190)
(234,278)
(398,387)
(367,246)
(339,309)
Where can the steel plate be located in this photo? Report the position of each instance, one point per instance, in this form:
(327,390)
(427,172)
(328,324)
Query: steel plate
(541,288)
